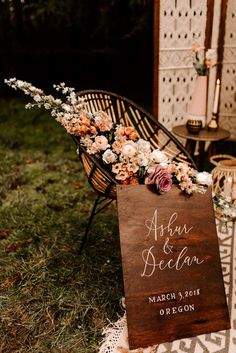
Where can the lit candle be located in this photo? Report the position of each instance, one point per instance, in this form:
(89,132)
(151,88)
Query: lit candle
(216,98)
(228,186)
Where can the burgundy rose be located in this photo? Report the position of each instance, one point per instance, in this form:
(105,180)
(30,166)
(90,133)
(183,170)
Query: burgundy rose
(161,178)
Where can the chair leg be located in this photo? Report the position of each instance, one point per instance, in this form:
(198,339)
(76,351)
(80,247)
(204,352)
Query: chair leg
(89,224)
(100,204)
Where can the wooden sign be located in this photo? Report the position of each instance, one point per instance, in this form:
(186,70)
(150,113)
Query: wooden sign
(171,265)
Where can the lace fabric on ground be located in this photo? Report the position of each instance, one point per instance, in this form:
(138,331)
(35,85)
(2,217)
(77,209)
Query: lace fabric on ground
(116,339)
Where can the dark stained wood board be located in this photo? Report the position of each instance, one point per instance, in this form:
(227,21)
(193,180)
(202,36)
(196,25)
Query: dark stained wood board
(171,265)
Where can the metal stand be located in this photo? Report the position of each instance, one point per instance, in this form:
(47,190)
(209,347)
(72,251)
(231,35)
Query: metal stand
(100,204)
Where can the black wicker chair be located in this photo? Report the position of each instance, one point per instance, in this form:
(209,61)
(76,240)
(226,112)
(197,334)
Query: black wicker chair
(123,111)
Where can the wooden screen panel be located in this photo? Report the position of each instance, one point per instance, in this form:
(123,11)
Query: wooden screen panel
(177,25)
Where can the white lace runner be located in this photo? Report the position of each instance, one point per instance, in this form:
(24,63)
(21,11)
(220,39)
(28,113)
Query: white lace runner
(116,339)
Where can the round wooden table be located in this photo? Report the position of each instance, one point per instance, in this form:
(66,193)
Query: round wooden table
(202,137)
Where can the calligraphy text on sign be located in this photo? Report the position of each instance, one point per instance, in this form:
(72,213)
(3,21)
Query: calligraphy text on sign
(171,265)
(151,262)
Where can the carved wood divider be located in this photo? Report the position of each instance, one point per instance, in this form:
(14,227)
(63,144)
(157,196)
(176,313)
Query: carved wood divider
(177,24)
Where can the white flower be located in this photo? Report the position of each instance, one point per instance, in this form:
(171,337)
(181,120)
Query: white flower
(109,157)
(142,161)
(116,168)
(28,105)
(66,107)
(210,53)
(144,146)
(158,156)
(20,83)
(204,178)
(101,142)
(129,149)
(122,175)
(151,168)
(47,106)
(132,167)
(37,98)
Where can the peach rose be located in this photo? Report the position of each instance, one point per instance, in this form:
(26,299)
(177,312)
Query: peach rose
(128,130)
(133,135)
(101,142)
(83,128)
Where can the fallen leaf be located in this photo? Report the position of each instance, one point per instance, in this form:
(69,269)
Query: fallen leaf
(11,248)
(52,167)
(54,207)
(17,183)
(15,168)
(5,233)
(77,186)
(29,161)
(9,282)
(92,193)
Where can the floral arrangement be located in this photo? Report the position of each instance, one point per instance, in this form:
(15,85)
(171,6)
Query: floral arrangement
(224,208)
(202,68)
(129,158)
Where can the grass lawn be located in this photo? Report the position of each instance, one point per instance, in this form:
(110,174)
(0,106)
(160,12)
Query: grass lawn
(51,298)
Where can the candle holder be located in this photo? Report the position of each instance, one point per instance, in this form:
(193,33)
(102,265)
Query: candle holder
(213,124)
(194,126)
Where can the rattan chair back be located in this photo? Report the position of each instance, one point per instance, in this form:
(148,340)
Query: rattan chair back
(124,111)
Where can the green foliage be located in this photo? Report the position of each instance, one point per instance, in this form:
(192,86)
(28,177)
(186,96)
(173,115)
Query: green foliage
(39,11)
(52,298)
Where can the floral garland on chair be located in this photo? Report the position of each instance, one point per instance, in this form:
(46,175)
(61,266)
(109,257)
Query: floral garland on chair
(130,159)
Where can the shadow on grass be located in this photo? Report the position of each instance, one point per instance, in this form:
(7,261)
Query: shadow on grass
(52,298)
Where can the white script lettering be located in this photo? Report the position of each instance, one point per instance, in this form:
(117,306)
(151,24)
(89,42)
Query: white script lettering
(151,263)
(170,230)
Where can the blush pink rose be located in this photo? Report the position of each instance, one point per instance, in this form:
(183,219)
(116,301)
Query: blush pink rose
(161,178)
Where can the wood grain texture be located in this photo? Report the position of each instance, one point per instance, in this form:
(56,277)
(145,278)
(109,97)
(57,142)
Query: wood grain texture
(171,265)
(203,135)
(209,23)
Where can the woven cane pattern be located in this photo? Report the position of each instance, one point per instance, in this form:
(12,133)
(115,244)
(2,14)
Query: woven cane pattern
(222,171)
(127,113)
